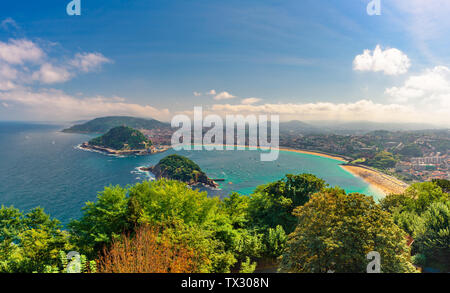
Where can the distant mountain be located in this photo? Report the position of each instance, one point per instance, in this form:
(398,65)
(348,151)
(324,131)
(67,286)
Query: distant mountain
(299,127)
(122,138)
(103,124)
(363,127)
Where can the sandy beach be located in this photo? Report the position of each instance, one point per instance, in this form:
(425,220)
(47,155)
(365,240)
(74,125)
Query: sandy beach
(387,184)
(384,183)
(314,153)
(334,157)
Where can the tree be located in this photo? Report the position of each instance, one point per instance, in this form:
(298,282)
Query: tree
(102,221)
(433,239)
(188,214)
(149,250)
(411,150)
(275,241)
(336,231)
(416,198)
(30,242)
(382,160)
(272,204)
(422,212)
(444,184)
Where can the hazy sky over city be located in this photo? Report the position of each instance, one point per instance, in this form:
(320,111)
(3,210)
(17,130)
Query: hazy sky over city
(304,60)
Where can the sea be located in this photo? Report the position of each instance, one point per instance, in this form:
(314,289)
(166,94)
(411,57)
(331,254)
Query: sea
(42,166)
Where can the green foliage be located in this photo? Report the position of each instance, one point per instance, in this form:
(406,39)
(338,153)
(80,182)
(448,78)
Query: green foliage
(103,124)
(167,200)
(30,242)
(382,160)
(77,264)
(422,211)
(236,207)
(411,150)
(101,221)
(192,217)
(336,231)
(247,266)
(433,239)
(417,198)
(122,138)
(179,168)
(444,184)
(331,230)
(272,204)
(275,242)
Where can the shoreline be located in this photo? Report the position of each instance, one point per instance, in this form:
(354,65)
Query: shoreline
(286,149)
(314,153)
(209,183)
(122,153)
(385,183)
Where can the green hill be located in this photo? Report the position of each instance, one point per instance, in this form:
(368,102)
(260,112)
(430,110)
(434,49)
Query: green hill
(103,124)
(182,169)
(122,138)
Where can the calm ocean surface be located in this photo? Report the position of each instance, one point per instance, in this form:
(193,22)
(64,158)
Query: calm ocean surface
(40,166)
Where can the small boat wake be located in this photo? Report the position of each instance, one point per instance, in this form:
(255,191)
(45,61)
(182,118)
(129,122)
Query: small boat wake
(79,147)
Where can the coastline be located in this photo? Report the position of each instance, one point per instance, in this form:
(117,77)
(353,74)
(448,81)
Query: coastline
(382,182)
(112,152)
(385,183)
(314,153)
(286,149)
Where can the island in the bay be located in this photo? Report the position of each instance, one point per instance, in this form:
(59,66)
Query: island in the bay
(123,135)
(180,168)
(121,140)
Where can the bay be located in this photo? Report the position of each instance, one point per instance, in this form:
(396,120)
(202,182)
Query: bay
(41,166)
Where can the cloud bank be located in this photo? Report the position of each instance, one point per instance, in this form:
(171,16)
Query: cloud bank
(26,70)
(429,91)
(56,105)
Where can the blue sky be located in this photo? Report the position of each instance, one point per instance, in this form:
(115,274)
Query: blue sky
(295,58)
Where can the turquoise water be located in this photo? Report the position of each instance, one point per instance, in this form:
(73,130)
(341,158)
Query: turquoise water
(41,166)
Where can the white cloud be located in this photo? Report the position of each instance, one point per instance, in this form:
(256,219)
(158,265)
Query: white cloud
(20,51)
(390,61)
(51,74)
(224,96)
(428,91)
(211,92)
(56,105)
(23,62)
(7,85)
(356,111)
(197,94)
(88,62)
(7,76)
(250,101)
